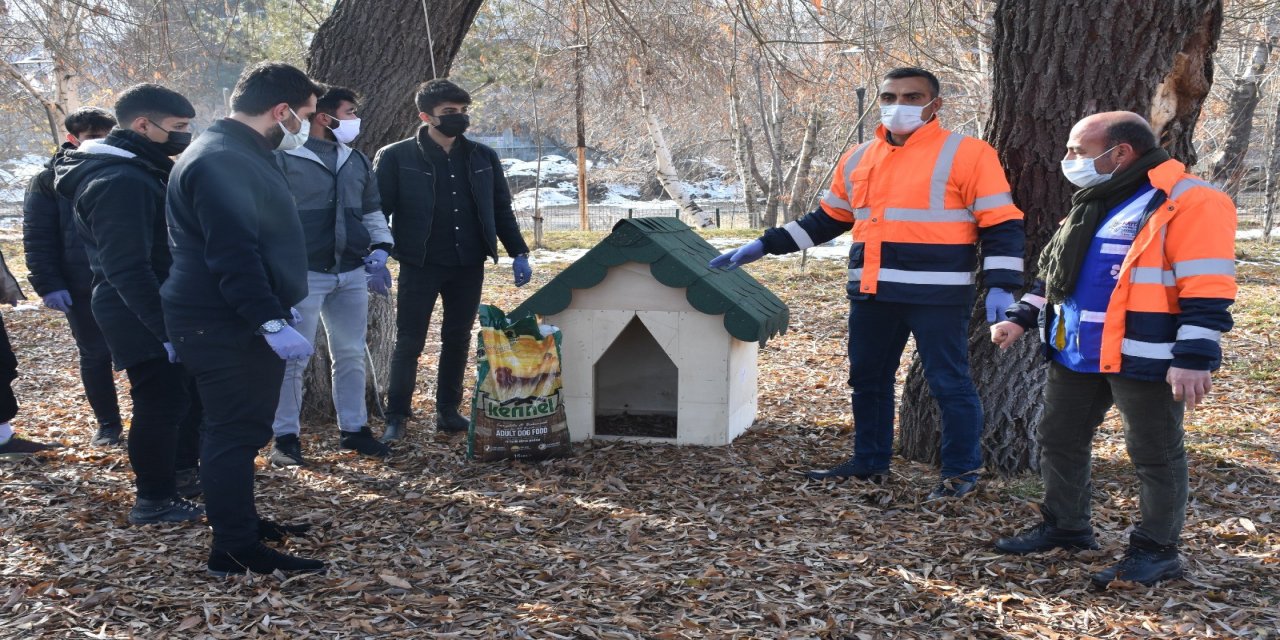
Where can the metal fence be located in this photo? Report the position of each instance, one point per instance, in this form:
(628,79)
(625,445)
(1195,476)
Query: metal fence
(602,217)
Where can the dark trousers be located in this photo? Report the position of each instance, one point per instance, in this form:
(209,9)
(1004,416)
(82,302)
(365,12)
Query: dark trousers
(8,373)
(239,379)
(1075,404)
(95,360)
(419,287)
(878,334)
(160,405)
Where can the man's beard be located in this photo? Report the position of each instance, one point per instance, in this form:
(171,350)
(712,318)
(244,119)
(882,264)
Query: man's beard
(275,137)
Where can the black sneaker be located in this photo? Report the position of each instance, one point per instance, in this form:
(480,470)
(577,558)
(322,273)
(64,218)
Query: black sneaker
(848,469)
(1145,565)
(1045,536)
(287,452)
(450,421)
(188,482)
(162,511)
(108,435)
(275,532)
(17,447)
(952,489)
(395,429)
(259,558)
(364,442)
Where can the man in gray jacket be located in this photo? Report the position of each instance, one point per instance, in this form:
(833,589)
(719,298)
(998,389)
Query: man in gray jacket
(347,246)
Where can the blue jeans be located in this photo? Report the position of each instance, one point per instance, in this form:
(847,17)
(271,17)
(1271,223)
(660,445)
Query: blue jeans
(342,301)
(878,334)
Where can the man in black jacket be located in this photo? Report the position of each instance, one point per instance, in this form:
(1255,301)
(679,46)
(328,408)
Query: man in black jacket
(449,204)
(239,266)
(59,271)
(117,187)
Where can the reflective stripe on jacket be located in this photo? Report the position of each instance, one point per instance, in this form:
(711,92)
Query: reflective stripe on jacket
(918,212)
(1175,286)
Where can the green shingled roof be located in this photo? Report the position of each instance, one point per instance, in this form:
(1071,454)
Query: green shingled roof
(677,257)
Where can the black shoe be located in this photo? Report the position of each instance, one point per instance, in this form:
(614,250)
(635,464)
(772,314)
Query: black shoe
(364,442)
(952,488)
(161,511)
(108,435)
(450,421)
(394,430)
(275,532)
(259,558)
(188,482)
(1045,536)
(848,469)
(17,447)
(1145,565)
(287,452)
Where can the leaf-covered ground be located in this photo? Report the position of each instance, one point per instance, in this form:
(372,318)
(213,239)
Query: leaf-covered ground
(632,541)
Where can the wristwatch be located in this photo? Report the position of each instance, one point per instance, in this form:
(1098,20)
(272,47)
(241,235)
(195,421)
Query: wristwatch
(272,326)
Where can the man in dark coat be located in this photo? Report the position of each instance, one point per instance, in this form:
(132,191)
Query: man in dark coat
(449,205)
(59,271)
(117,187)
(239,266)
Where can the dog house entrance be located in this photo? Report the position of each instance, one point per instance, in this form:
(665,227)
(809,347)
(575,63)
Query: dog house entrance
(636,387)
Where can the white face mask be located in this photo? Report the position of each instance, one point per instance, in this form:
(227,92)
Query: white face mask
(347,130)
(294,140)
(903,119)
(1082,173)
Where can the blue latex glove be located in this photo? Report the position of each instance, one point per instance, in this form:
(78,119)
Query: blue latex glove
(59,300)
(376,259)
(522,271)
(745,254)
(289,344)
(997,301)
(173,355)
(380,281)
(297,317)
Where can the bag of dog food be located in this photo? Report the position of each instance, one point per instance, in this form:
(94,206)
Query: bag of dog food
(516,410)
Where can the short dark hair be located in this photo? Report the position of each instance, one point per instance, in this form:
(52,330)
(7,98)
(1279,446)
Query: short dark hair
(86,119)
(267,84)
(152,101)
(915,72)
(334,97)
(1137,134)
(439,91)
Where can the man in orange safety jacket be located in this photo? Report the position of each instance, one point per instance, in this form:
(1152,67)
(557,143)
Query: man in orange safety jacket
(1133,293)
(921,201)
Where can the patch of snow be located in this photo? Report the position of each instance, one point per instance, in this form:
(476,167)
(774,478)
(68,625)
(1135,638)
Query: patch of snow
(1256,234)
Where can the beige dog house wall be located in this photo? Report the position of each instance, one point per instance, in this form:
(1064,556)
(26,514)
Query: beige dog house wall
(656,346)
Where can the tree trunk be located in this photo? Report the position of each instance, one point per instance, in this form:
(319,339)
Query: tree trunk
(743,158)
(1273,178)
(804,162)
(382,49)
(667,175)
(1047,75)
(394,55)
(1241,106)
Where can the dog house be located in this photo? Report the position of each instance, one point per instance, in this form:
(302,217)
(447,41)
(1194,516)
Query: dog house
(656,346)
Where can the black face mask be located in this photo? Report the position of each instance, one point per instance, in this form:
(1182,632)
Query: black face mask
(177,143)
(453,124)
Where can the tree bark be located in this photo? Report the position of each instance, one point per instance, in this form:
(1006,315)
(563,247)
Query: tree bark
(1229,167)
(382,49)
(666,168)
(395,53)
(804,162)
(1273,178)
(1047,75)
